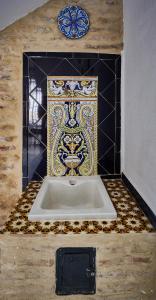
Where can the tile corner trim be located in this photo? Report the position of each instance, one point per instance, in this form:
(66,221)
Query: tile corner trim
(141,202)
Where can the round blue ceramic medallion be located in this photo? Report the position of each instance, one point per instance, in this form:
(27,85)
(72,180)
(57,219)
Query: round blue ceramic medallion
(73,21)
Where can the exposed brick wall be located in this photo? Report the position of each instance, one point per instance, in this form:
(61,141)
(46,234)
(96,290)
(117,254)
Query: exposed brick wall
(38,31)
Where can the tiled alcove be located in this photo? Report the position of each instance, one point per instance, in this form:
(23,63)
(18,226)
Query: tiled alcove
(36,67)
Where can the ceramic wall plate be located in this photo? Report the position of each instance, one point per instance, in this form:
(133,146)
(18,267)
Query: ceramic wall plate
(73,22)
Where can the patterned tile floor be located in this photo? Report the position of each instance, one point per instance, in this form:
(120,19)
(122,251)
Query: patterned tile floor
(130,216)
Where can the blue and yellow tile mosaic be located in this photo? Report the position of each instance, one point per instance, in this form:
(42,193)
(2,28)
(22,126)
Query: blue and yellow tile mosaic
(72,125)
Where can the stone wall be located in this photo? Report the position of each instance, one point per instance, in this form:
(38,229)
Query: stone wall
(39,32)
(125,265)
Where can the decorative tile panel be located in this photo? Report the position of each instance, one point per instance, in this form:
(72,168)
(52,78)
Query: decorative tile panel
(72,125)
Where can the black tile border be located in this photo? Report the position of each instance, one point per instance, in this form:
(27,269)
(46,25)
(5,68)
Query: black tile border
(141,202)
(111,176)
(74,55)
(111,62)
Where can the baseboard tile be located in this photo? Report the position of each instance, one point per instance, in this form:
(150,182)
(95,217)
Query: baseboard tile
(111,176)
(141,202)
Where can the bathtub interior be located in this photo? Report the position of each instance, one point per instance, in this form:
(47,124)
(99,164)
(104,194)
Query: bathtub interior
(68,194)
(63,198)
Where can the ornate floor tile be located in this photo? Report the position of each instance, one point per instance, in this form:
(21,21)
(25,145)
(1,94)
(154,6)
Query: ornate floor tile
(130,218)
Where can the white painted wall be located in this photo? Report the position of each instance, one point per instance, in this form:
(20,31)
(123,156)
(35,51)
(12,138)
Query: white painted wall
(139,97)
(12,10)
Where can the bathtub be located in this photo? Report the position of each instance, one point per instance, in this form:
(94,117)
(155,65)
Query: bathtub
(72,198)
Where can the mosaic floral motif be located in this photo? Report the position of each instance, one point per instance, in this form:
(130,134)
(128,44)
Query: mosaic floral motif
(72,126)
(73,21)
(129,219)
(71,87)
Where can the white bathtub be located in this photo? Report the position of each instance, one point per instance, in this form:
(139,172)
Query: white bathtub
(72,198)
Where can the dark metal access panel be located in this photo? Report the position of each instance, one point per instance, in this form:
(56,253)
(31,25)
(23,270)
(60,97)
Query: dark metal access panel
(75,271)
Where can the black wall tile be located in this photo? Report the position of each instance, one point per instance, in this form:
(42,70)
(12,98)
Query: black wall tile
(25,152)
(118,139)
(117,163)
(59,54)
(109,92)
(25,182)
(107,161)
(25,65)
(85,55)
(118,89)
(118,114)
(118,67)
(25,113)
(37,66)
